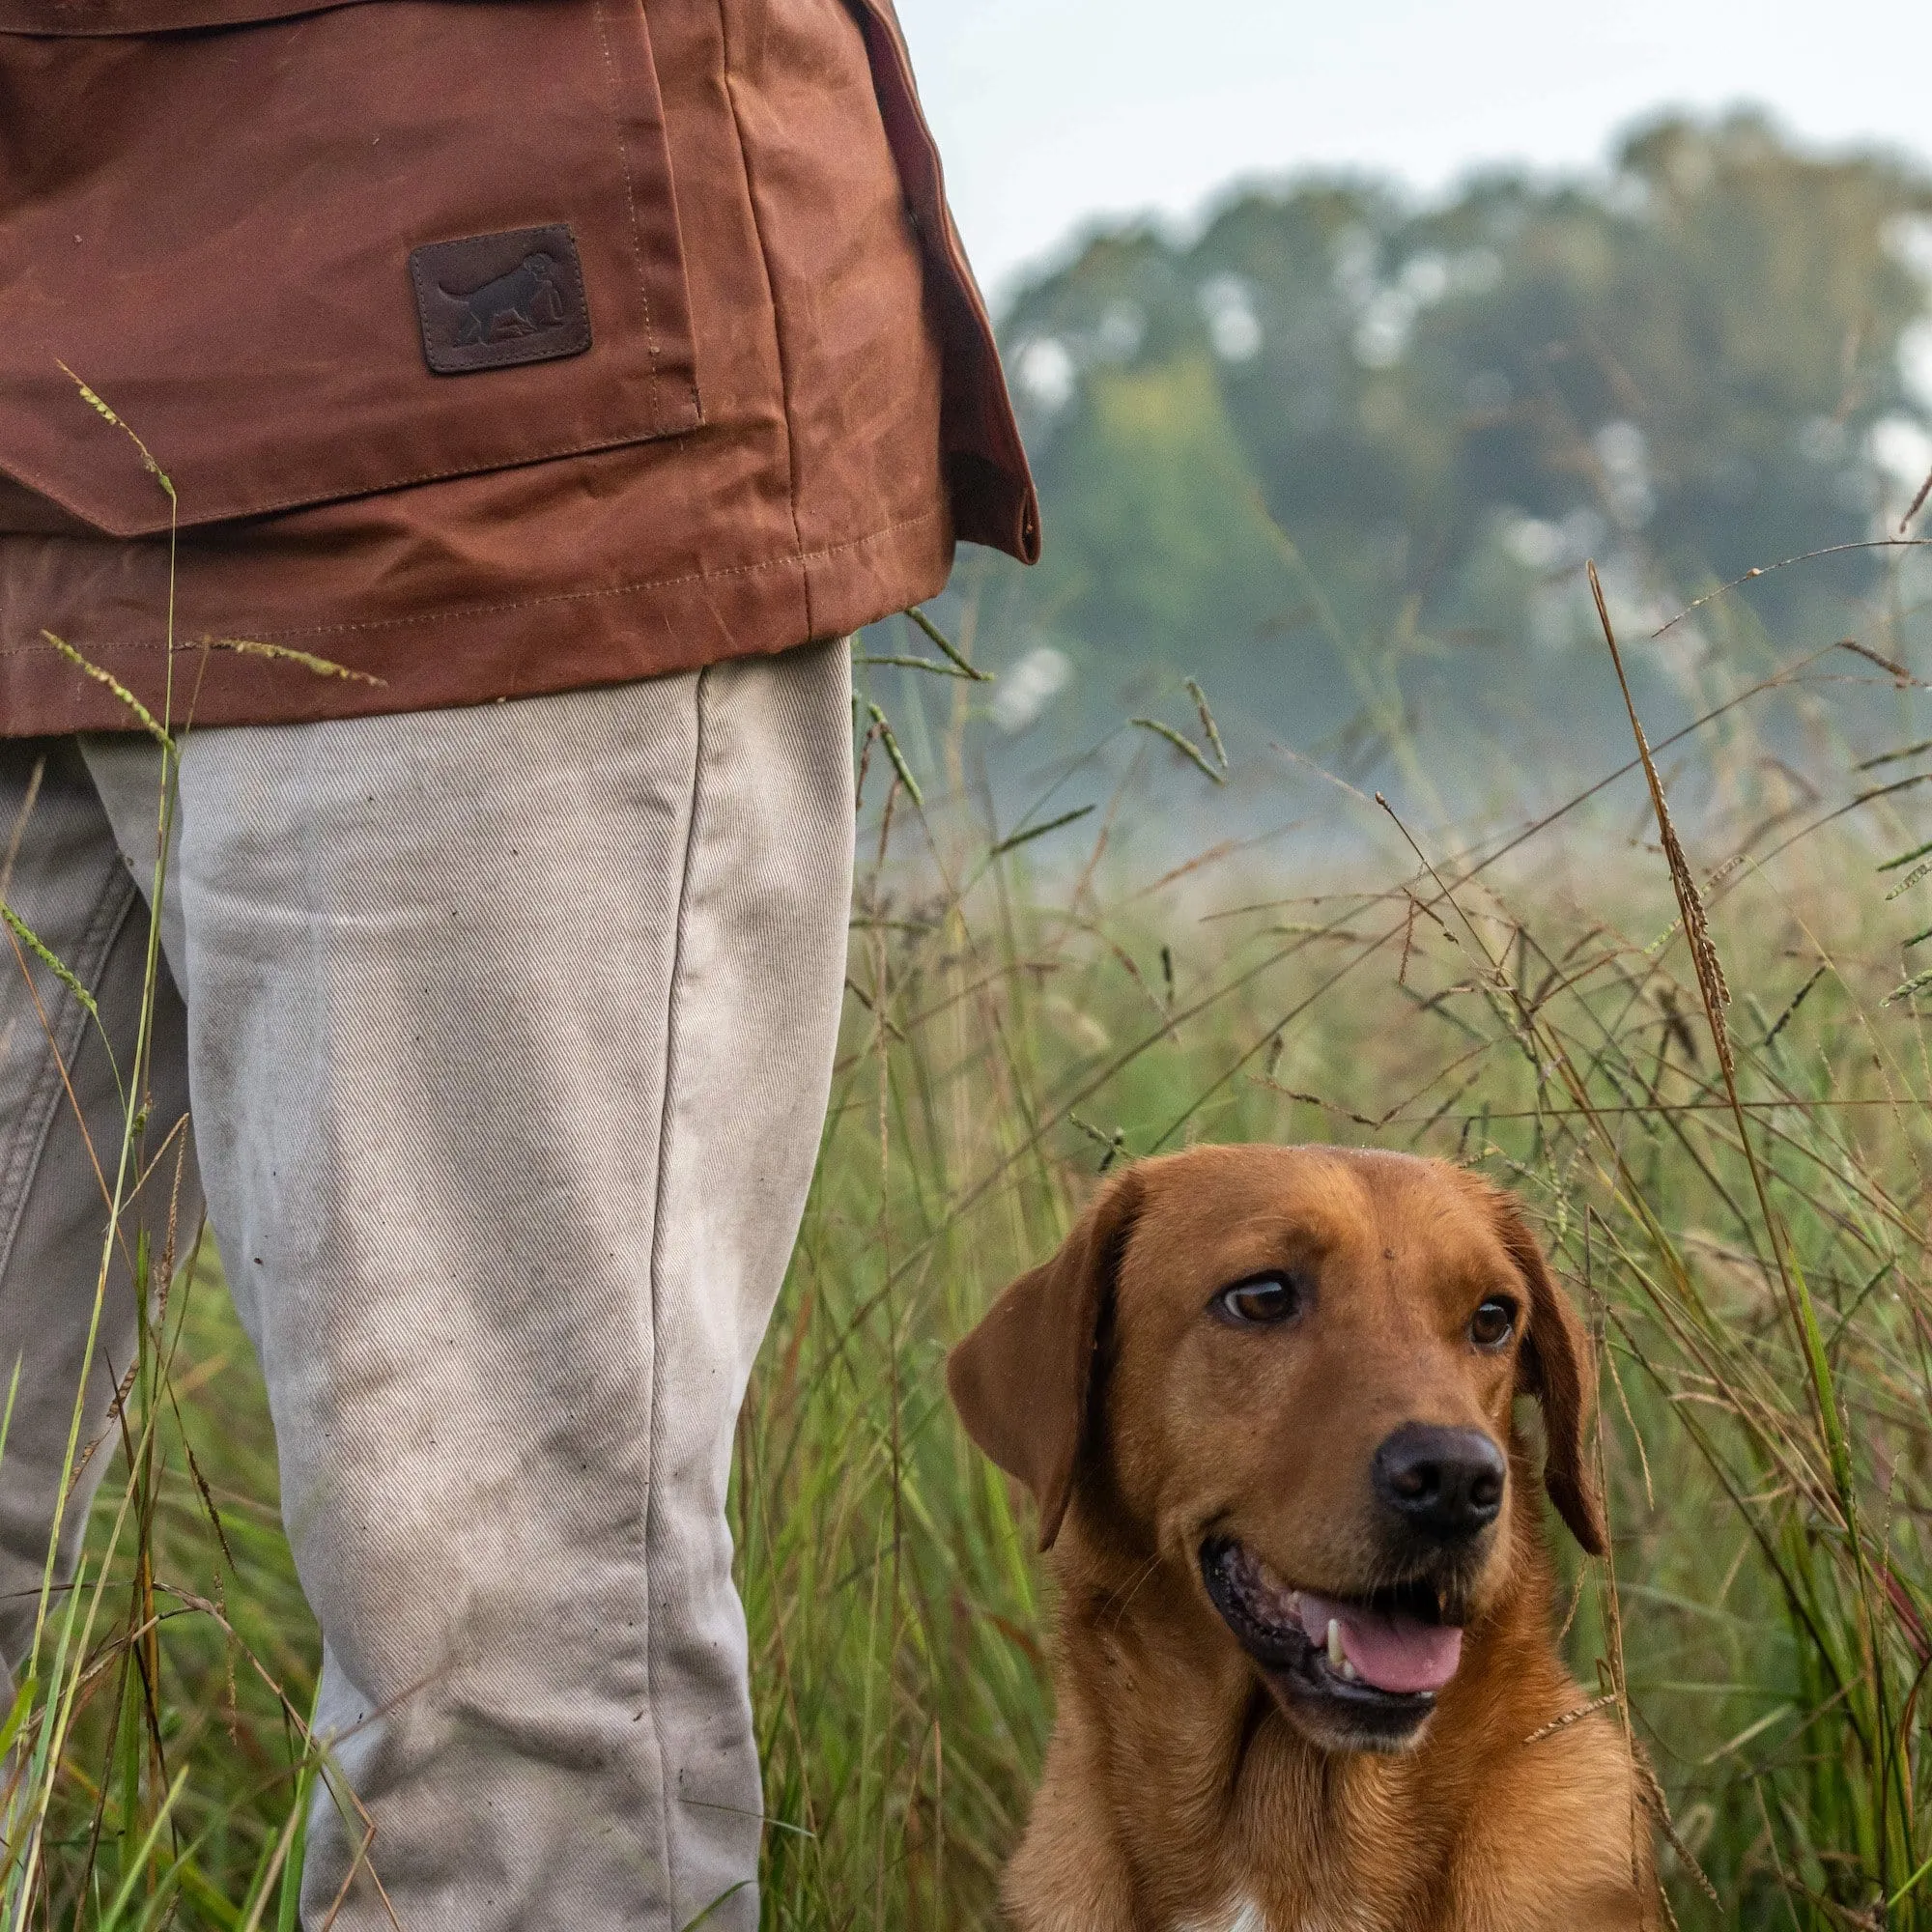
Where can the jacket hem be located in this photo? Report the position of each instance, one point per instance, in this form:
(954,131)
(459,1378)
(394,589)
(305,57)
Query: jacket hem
(482,654)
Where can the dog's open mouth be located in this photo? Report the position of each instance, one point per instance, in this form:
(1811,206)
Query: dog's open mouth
(1383,1657)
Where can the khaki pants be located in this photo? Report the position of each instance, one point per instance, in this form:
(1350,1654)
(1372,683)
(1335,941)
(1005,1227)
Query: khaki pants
(507,1033)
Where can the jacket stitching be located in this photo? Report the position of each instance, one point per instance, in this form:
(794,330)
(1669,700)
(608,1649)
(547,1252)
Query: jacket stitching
(630,193)
(771,291)
(790,560)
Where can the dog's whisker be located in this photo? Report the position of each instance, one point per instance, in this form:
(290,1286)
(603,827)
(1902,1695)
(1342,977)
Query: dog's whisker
(1122,1600)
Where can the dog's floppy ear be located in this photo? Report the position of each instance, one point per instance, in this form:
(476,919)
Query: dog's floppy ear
(1022,1379)
(1555,1367)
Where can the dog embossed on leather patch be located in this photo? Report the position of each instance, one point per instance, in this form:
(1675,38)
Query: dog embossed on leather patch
(491,301)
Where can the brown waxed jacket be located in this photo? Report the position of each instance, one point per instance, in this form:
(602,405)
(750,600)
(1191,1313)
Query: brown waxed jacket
(481,348)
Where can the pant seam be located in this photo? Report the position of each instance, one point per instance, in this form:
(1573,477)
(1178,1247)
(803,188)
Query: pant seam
(667,1108)
(111,908)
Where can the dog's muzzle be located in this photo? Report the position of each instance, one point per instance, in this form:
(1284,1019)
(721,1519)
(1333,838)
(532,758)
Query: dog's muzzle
(1364,1673)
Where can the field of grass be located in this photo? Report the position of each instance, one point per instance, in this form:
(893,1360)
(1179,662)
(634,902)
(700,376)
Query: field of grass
(1722,1135)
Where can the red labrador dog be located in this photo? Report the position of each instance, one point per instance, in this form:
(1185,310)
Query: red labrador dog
(1265,1399)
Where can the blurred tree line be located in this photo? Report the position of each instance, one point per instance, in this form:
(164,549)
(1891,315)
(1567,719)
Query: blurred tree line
(1342,456)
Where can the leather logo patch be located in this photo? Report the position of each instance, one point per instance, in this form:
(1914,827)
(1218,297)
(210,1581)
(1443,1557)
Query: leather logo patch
(491,301)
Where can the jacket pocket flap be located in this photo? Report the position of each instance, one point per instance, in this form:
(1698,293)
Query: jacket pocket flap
(352,250)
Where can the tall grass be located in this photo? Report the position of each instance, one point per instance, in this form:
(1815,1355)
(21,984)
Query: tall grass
(1694,1050)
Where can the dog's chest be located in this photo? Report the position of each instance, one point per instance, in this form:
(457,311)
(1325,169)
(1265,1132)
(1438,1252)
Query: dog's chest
(1242,1915)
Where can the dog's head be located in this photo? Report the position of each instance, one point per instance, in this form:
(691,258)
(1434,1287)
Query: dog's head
(1291,1371)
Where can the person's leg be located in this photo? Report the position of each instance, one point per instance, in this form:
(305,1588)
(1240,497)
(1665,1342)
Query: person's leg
(62,1121)
(755,1015)
(511,1031)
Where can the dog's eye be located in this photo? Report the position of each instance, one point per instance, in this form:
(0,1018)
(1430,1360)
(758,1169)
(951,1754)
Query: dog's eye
(1492,1323)
(1267,1299)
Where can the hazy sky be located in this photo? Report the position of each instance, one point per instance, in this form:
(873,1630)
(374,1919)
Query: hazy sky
(1049,112)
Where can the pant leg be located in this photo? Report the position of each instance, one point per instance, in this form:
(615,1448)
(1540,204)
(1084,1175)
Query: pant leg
(68,882)
(510,1033)
(755,1014)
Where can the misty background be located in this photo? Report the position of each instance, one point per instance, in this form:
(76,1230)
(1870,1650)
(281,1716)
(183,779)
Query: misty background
(1340,343)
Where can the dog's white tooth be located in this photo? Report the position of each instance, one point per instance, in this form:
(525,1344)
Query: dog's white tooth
(1348,1671)
(1336,1658)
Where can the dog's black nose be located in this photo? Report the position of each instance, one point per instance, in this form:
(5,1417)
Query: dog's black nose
(1446,1484)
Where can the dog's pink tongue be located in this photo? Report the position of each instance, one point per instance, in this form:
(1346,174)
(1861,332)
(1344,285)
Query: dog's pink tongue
(1389,1650)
